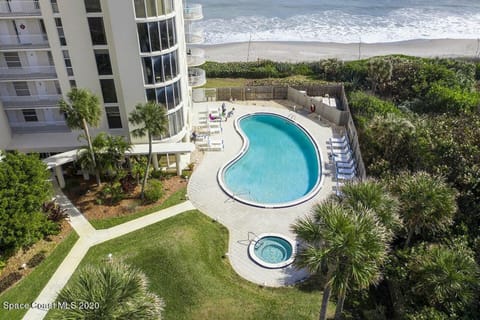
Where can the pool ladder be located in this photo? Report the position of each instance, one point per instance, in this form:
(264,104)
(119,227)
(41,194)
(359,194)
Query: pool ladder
(291,115)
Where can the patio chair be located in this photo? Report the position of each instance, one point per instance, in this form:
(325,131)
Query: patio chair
(346,170)
(341,176)
(346,164)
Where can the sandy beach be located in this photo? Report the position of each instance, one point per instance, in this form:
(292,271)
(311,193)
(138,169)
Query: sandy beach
(312,51)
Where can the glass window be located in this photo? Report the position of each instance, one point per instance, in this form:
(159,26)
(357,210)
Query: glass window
(151,95)
(93,6)
(73,83)
(108,91)
(68,62)
(139,9)
(21,88)
(104,66)
(170,99)
(143,37)
(168,6)
(171,32)
(164,35)
(178,93)
(154,36)
(113,117)
(54,6)
(147,70)
(160,8)
(157,67)
(30,115)
(61,33)
(97,31)
(167,67)
(161,98)
(150,4)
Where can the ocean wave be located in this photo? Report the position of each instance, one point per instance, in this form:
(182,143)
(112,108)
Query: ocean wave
(338,26)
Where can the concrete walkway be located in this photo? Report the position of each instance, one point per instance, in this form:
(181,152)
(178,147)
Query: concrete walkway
(244,222)
(89,237)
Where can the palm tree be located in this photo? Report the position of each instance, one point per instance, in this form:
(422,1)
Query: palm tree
(112,153)
(114,290)
(82,110)
(446,278)
(427,203)
(352,245)
(153,121)
(372,195)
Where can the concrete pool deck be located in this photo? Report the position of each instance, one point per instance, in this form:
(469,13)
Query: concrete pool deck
(244,222)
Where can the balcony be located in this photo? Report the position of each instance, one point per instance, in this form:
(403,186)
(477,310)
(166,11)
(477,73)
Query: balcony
(194,37)
(28,73)
(192,12)
(24,41)
(10,9)
(195,57)
(39,126)
(196,77)
(22,102)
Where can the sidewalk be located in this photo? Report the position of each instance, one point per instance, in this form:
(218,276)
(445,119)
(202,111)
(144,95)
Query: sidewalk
(90,237)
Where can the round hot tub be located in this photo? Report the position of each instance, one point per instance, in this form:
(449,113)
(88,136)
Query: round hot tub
(272,251)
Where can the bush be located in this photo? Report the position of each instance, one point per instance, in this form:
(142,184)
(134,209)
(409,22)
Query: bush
(53,211)
(9,280)
(113,193)
(36,259)
(154,191)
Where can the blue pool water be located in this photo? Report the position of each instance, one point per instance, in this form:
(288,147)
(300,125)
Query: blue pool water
(281,163)
(273,249)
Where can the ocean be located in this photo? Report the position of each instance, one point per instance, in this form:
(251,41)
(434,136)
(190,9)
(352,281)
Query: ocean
(344,21)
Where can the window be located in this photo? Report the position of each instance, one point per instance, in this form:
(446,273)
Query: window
(108,91)
(61,34)
(113,117)
(54,6)
(12,59)
(143,37)
(73,83)
(158,35)
(30,115)
(97,31)
(36,4)
(93,6)
(104,66)
(68,62)
(164,68)
(139,9)
(57,87)
(21,88)
(154,36)
(169,96)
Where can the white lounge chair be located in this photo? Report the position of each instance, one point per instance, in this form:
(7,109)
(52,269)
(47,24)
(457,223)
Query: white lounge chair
(342,157)
(344,150)
(341,139)
(347,164)
(211,145)
(341,176)
(346,170)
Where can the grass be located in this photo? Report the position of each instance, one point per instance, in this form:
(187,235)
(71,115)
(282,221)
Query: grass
(27,289)
(225,82)
(174,199)
(182,258)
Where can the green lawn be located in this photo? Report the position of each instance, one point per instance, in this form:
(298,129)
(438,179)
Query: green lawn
(174,199)
(224,82)
(28,289)
(182,258)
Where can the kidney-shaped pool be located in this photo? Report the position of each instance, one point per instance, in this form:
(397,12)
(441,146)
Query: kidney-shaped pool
(279,164)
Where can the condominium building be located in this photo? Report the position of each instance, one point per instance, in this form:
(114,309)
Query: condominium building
(124,51)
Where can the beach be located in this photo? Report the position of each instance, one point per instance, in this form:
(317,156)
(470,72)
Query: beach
(293,51)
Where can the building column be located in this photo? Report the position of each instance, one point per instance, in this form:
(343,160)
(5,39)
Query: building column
(155,161)
(177,163)
(59,174)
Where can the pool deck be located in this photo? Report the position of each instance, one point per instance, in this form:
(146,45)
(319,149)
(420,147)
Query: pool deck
(244,222)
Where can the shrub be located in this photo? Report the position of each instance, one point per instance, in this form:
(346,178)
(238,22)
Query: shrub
(153,191)
(9,280)
(53,211)
(36,259)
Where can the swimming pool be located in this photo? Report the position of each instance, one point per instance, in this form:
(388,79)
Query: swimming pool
(272,250)
(279,164)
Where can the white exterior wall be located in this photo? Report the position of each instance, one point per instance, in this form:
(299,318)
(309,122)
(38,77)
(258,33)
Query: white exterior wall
(5,134)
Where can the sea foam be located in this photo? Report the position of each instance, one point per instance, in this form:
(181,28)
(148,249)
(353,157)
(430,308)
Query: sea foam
(342,27)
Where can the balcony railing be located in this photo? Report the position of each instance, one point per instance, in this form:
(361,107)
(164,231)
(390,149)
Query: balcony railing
(194,37)
(196,77)
(28,72)
(39,126)
(49,100)
(18,8)
(193,11)
(21,41)
(195,57)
